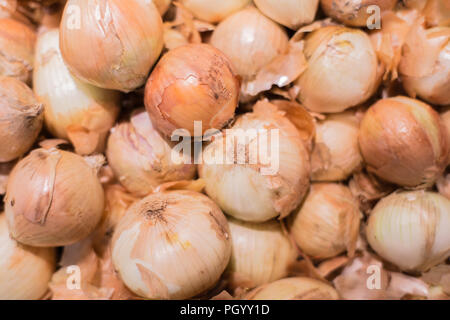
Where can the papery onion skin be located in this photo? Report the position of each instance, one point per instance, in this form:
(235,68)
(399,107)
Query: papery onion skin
(17,42)
(194,82)
(327,223)
(241,189)
(162,5)
(24,271)
(342,69)
(410,229)
(434,85)
(171,245)
(290,13)
(336,151)
(141,158)
(74,110)
(213,10)
(21,118)
(261,252)
(250,40)
(115,44)
(354,12)
(404,141)
(53,198)
(300,288)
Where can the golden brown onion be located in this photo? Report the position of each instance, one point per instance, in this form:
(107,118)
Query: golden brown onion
(404,141)
(21,118)
(195,82)
(171,245)
(214,10)
(111,44)
(53,198)
(74,110)
(327,223)
(142,159)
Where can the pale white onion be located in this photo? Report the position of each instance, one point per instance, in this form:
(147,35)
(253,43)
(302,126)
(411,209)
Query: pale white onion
(214,10)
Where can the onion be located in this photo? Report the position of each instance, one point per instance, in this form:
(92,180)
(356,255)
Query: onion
(214,10)
(261,252)
(403,141)
(171,245)
(256,184)
(250,40)
(336,151)
(53,198)
(111,44)
(191,83)
(425,64)
(355,12)
(343,61)
(24,271)
(21,118)
(16,49)
(437,12)
(162,5)
(141,159)
(327,223)
(410,229)
(300,288)
(74,110)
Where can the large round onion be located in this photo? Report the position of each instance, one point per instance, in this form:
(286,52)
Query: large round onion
(213,10)
(111,43)
(171,245)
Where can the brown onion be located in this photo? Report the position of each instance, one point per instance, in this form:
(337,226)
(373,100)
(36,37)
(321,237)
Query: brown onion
(404,141)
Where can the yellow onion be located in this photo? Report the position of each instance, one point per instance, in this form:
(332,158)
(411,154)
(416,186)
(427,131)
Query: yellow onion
(111,44)
(342,69)
(267,177)
(336,151)
(250,40)
(16,49)
(5,170)
(261,252)
(74,110)
(24,271)
(53,198)
(171,245)
(21,118)
(445,115)
(437,12)
(443,185)
(290,13)
(425,64)
(410,229)
(300,288)
(355,13)
(327,223)
(141,158)
(194,82)
(213,10)
(404,141)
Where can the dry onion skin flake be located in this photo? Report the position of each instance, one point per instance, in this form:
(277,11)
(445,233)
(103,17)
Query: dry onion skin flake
(171,245)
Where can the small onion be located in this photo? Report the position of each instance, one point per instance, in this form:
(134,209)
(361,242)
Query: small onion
(250,40)
(327,223)
(425,64)
(355,13)
(213,10)
(53,198)
(261,253)
(21,118)
(171,245)
(404,141)
(24,271)
(290,13)
(410,229)
(16,49)
(342,69)
(264,189)
(194,82)
(445,115)
(74,110)
(300,288)
(111,44)
(336,151)
(141,158)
